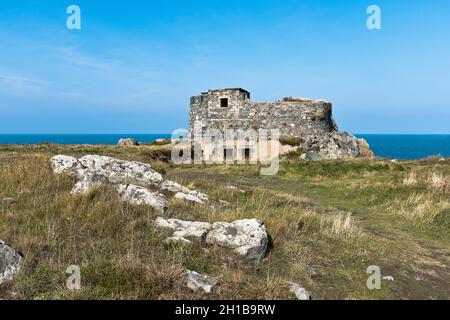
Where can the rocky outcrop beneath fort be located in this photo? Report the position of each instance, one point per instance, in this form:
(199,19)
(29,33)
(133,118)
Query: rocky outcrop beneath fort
(334,146)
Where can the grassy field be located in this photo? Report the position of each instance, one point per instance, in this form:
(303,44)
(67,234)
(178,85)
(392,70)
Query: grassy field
(328,221)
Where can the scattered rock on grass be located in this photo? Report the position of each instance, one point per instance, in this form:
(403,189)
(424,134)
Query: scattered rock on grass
(184,230)
(300,292)
(65,164)
(10,262)
(128,175)
(181,192)
(121,171)
(188,197)
(177,239)
(246,237)
(89,182)
(127,142)
(139,195)
(197,281)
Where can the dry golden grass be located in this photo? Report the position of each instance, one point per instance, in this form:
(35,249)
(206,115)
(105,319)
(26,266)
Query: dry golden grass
(410,179)
(340,226)
(438,183)
(421,209)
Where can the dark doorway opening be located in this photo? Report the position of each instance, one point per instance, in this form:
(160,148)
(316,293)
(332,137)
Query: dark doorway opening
(247,154)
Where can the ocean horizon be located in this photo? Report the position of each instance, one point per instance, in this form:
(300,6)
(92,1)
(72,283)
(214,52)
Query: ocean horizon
(392,146)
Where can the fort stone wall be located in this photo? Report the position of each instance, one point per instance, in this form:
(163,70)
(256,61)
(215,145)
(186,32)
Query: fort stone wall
(233,109)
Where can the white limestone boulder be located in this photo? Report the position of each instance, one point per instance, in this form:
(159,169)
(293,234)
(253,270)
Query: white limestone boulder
(177,239)
(188,197)
(10,262)
(184,229)
(132,178)
(139,195)
(181,192)
(197,281)
(121,171)
(89,182)
(65,164)
(247,237)
(300,292)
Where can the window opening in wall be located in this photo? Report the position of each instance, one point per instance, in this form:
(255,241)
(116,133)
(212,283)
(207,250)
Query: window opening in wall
(224,102)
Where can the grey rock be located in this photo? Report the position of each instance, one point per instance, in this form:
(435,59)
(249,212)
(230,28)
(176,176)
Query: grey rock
(117,171)
(181,192)
(65,164)
(177,239)
(184,229)
(247,237)
(188,197)
(121,171)
(90,181)
(10,262)
(335,146)
(313,156)
(127,142)
(197,281)
(139,195)
(128,175)
(300,292)
(173,187)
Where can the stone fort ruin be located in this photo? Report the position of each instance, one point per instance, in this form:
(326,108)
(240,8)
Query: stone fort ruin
(309,123)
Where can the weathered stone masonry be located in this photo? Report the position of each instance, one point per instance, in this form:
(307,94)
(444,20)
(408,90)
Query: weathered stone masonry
(232,109)
(310,120)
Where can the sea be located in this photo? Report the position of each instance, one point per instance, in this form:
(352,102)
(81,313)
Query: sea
(392,146)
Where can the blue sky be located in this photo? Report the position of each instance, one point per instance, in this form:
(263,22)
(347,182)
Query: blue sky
(134,64)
